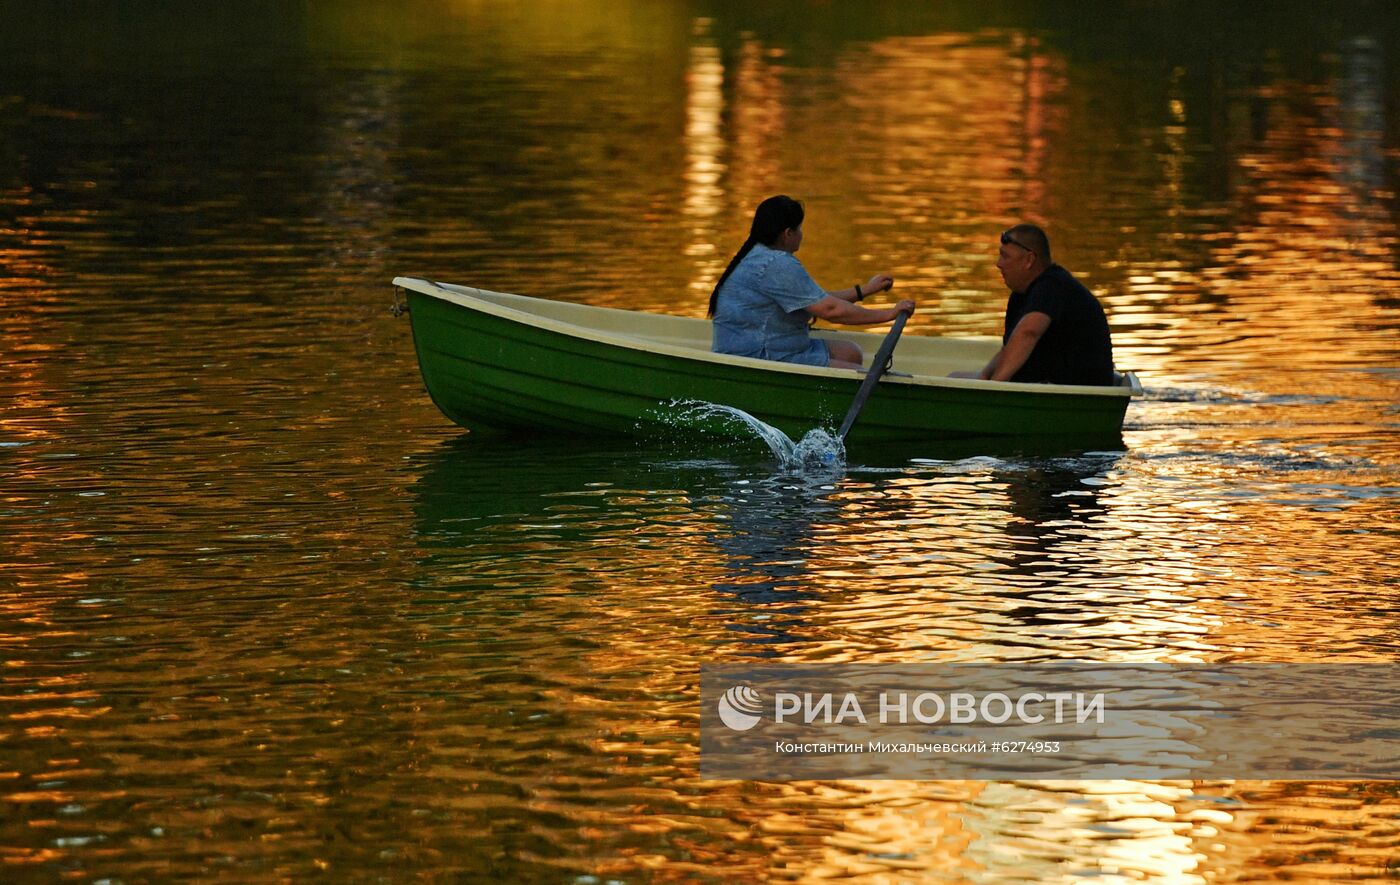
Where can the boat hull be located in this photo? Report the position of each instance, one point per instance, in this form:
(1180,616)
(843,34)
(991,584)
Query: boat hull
(486,369)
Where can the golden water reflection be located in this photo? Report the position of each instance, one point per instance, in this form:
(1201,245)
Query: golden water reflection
(266,615)
(1070,562)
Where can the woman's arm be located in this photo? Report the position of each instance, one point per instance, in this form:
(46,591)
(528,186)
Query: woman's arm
(881,282)
(835,310)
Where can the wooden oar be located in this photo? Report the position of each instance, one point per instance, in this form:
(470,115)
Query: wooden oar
(872,376)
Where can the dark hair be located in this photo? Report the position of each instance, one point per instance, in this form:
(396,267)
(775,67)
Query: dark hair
(1031,236)
(773,216)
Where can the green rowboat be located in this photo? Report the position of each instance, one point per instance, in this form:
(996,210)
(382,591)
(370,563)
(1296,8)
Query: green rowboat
(496,361)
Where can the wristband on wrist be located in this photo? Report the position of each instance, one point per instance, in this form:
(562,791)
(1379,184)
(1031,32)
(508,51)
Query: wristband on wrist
(860,296)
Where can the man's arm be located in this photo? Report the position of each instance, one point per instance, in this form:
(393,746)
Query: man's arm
(1013,356)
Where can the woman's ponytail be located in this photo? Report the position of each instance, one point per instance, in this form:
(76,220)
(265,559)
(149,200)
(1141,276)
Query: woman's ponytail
(739,256)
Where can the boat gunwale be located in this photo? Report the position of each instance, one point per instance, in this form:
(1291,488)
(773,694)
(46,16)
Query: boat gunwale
(462,296)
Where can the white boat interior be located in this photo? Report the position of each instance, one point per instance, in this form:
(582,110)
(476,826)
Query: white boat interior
(928,359)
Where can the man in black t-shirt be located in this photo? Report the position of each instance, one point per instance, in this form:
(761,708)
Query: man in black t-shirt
(1055,328)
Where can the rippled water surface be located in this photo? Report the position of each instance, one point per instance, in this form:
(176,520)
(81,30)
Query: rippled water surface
(265,613)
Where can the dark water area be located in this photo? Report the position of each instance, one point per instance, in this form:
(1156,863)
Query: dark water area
(265,614)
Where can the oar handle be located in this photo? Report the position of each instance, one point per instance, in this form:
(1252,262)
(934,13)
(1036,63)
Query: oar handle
(872,376)
(882,356)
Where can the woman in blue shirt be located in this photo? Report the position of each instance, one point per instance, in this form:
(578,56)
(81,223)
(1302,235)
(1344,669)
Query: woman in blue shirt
(763,303)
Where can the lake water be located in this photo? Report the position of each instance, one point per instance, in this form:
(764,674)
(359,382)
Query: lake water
(264,613)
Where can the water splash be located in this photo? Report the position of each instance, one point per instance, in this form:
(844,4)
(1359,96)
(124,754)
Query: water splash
(818,449)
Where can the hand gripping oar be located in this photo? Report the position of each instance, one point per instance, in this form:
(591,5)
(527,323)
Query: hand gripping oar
(872,377)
